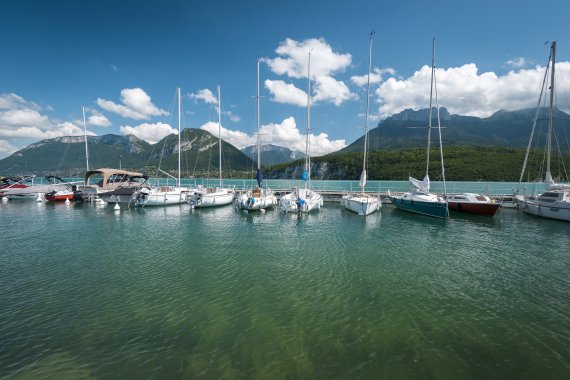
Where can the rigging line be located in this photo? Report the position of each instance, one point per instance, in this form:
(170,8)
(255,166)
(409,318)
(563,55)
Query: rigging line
(439,130)
(560,157)
(544,80)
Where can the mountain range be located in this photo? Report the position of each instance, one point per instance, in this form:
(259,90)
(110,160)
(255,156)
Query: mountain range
(199,158)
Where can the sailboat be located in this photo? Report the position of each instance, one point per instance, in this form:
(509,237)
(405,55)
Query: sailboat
(304,199)
(164,195)
(218,196)
(554,203)
(260,198)
(419,200)
(362,203)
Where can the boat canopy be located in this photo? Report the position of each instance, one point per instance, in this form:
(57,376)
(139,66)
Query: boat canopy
(107,173)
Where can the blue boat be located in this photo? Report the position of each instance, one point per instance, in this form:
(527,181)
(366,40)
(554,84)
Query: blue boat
(419,200)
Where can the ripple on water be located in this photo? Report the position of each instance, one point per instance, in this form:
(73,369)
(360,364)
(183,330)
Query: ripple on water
(173,292)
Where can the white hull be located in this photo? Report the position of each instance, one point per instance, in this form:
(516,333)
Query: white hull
(162,196)
(549,207)
(256,201)
(220,197)
(310,201)
(361,204)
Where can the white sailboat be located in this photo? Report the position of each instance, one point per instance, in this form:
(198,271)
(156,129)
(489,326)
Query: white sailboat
(260,198)
(419,200)
(217,196)
(362,203)
(554,203)
(304,199)
(164,195)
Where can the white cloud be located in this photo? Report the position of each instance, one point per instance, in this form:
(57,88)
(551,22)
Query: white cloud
(151,133)
(234,118)
(6,148)
(375,77)
(22,118)
(294,55)
(465,91)
(136,104)
(328,89)
(13,102)
(517,63)
(285,134)
(98,120)
(206,95)
(286,93)
(292,61)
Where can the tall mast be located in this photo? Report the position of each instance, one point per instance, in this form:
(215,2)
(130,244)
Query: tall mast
(220,131)
(85,132)
(179,146)
(549,136)
(308,141)
(430,102)
(367,103)
(258,123)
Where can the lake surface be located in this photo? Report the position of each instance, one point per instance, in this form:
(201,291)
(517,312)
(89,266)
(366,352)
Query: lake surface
(87,292)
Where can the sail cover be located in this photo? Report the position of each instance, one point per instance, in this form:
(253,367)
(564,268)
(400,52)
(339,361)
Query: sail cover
(305,175)
(421,186)
(259,178)
(363,179)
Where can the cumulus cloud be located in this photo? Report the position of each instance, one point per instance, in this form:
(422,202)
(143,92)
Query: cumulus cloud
(294,55)
(136,104)
(205,95)
(292,61)
(517,63)
(328,89)
(151,133)
(6,148)
(285,134)
(13,102)
(465,91)
(98,120)
(375,77)
(286,93)
(21,121)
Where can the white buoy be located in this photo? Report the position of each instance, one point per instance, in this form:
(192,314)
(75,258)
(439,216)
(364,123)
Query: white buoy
(39,198)
(262,210)
(117,207)
(4,199)
(66,201)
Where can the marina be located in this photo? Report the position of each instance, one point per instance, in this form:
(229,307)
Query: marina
(211,293)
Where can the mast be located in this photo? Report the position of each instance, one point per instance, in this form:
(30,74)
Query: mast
(220,131)
(85,132)
(179,147)
(548,179)
(258,176)
(430,102)
(363,175)
(258,123)
(308,141)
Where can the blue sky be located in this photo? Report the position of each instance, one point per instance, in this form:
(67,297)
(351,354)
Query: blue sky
(123,61)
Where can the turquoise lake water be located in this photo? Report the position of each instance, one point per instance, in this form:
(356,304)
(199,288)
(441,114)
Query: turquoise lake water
(87,292)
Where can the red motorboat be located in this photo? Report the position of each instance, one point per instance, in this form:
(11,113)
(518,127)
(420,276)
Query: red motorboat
(473,204)
(68,192)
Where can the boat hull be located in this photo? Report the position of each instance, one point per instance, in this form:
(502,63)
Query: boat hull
(486,209)
(162,196)
(434,209)
(212,200)
(361,205)
(289,203)
(551,211)
(256,202)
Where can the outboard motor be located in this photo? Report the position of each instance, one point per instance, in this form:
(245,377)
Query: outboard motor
(77,194)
